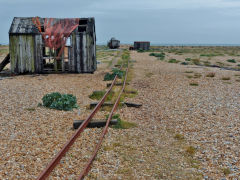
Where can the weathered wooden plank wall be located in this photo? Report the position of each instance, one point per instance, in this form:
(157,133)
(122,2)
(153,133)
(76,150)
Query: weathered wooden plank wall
(22,53)
(38,54)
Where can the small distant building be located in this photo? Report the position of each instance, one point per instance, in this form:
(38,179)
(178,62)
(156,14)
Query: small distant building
(113,43)
(141,45)
(29,53)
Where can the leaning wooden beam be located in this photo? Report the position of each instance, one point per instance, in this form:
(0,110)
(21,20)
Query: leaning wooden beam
(109,104)
(93,123)
(128,104)
(4,62)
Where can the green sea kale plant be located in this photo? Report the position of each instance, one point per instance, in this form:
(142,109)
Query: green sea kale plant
(56,100)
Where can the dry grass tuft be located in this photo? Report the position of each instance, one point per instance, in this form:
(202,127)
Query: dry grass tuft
(193,84)
(211,74)
(179,137)
(226,78)
(191,150)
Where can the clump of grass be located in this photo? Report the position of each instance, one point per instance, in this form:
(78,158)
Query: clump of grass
(210,55)
(140,50)
(122,124)
(188,59)
(173,61)
(188,71)
(220,64)
(231,60)
(189,76)
(184,63)
(149,74)
(179,137)
(193,84)
(226,78)
(161,55)
(238,65)
(206,63)
(30,109)
(128,92)
(97,95)
(226,171)
(190,150)
(196,61)
(197,75)
(211,74)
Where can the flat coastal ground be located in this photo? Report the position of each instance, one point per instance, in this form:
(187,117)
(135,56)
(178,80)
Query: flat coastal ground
(187,128)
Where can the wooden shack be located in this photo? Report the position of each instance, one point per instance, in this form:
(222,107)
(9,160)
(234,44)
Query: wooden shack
(28,53)
(141,45)
(113,43)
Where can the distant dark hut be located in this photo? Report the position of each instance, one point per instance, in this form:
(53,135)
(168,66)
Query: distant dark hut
(141,45)
(29,54)
(113,43)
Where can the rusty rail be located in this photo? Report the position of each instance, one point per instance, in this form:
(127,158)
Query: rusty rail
(104,132)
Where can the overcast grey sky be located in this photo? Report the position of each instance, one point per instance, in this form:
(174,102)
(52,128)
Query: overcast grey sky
(158,21)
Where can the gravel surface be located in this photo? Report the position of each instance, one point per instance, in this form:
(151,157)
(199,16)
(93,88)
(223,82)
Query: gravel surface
(183,131)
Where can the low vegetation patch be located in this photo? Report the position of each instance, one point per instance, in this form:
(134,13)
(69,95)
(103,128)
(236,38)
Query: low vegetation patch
(190,150)
(210,55)
(140,50)
(30,109)
(188,71)
(196,61)
(193,84)
(226,78)
(188,59)
(197,75)
(161,55)
(231,60)
(122,124)
(55,100)
(189,76)
(173,61)
(211,74)
(149,74)
(97,95)
(184,63)
(115,71)
(220,64)
(179,137)
(226,171)
(206,63)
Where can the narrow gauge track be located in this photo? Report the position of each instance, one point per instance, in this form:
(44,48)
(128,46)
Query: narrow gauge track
(46,172)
